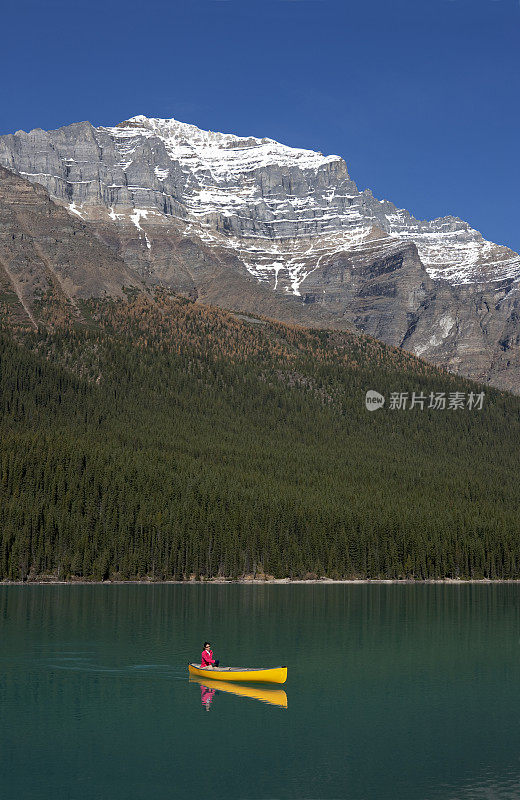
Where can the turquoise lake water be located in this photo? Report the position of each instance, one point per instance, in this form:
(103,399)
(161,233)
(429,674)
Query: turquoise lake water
(394,691)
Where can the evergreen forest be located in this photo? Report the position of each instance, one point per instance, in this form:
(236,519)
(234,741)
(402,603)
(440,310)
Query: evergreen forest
(159,439)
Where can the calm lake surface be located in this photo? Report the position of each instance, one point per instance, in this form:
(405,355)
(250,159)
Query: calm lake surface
(394,691)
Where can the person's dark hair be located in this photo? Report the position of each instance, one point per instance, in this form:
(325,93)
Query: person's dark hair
(206,644)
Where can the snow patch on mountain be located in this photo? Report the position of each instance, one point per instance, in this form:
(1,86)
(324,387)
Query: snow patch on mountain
(136,216)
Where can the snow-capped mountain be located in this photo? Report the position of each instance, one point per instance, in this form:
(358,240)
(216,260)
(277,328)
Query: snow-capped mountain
(215,215)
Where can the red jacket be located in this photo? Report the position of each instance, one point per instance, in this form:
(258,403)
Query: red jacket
(206,658)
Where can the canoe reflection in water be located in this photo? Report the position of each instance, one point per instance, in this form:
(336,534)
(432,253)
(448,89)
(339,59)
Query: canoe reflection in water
(273,697)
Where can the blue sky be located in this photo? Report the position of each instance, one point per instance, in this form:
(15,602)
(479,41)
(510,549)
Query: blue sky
(421,97)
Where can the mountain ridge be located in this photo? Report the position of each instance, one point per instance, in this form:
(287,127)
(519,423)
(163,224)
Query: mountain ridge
(222,218)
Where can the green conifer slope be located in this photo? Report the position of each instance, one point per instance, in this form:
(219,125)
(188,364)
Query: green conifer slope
(161,439)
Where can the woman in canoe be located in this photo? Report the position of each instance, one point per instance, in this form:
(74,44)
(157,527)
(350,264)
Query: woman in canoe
(206,660)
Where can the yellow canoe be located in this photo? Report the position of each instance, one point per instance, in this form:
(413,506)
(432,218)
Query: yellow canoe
(273,675)
(275,697)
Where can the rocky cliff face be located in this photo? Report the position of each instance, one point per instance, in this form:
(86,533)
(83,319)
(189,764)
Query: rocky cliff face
(252,224)
(45,253)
